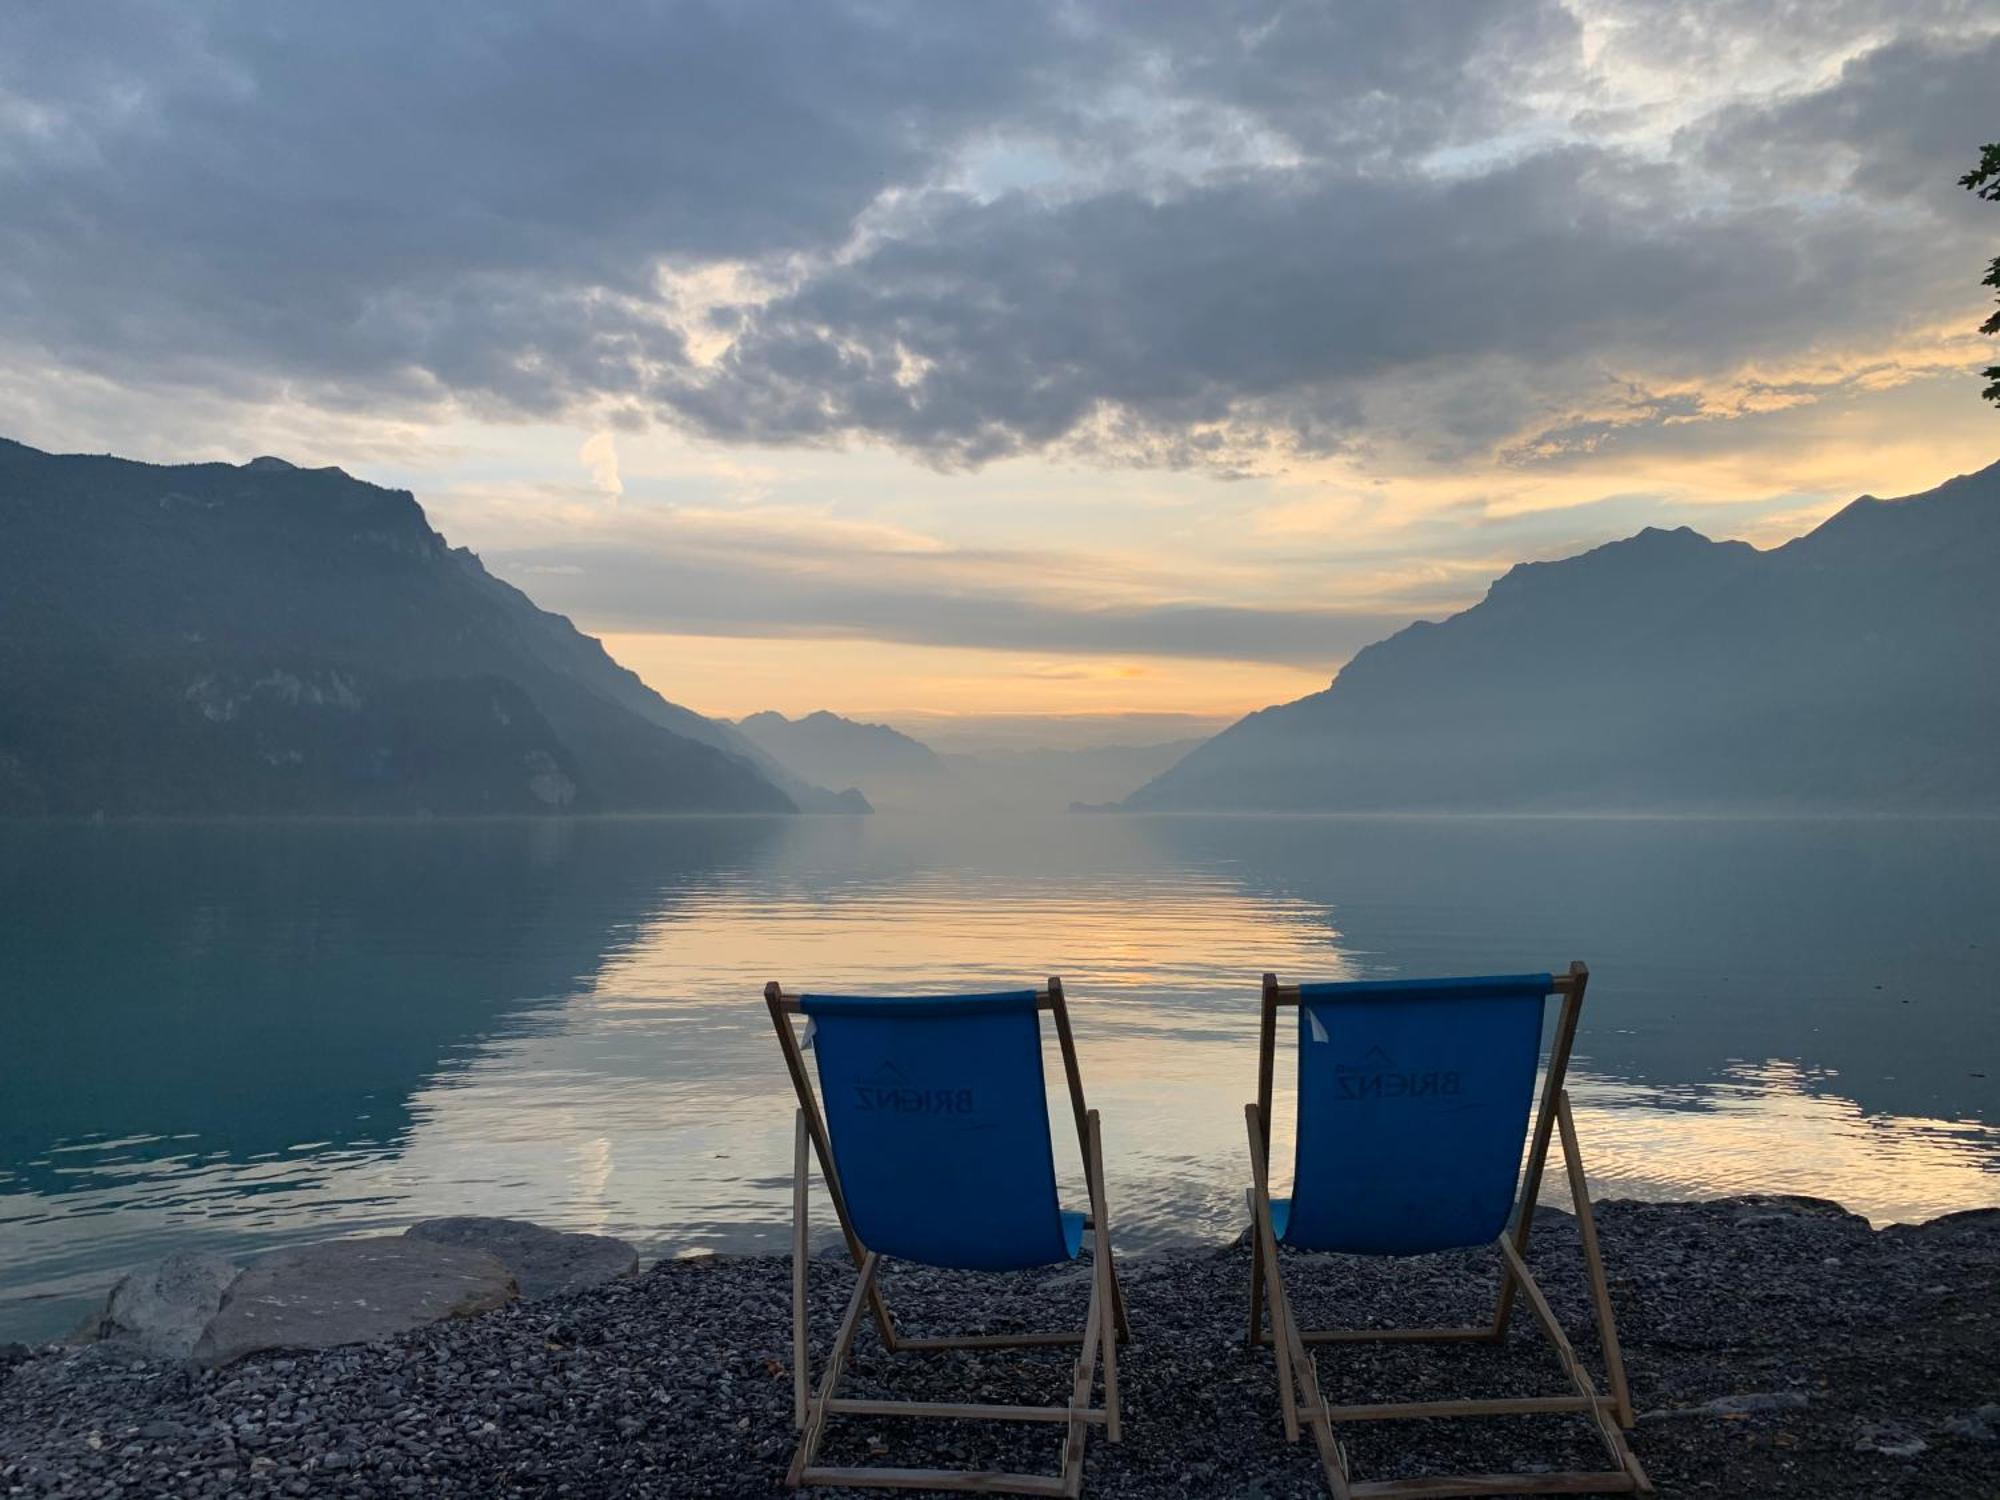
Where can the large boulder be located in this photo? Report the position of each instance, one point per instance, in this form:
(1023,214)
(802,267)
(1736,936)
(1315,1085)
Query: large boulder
(545,1262)
(349,1292)
(161,1308)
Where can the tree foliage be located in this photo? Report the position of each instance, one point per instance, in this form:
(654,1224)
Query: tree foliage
(1984,180)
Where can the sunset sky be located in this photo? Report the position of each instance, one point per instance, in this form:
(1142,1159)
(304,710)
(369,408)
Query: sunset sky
(928,360)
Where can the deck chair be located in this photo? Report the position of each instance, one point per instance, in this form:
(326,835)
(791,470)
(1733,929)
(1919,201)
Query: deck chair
(1414,1103)
(933,1142)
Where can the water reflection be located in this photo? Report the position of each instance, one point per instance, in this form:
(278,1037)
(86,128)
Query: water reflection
(249,1034)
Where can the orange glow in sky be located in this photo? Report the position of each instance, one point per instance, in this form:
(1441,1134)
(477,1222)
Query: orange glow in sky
(734,676)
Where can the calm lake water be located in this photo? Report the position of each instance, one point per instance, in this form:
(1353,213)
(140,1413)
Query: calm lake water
(234,1036)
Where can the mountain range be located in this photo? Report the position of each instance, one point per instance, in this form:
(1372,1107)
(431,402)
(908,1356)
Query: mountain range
(899,772)
(216,639)
(840,751)
(1854,668)
(206,639)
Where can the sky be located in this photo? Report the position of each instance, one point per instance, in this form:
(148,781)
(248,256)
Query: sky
(1096,366)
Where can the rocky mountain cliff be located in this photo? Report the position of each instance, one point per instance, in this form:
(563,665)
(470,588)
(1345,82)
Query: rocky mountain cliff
(212,639)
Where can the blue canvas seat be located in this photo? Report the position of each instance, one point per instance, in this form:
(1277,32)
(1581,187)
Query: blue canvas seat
(940,1125)
(931,1128)
(1415,1099)
(1413,1109)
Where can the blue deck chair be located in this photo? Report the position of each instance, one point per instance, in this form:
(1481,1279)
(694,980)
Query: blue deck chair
(931,1126)
(1415,1100)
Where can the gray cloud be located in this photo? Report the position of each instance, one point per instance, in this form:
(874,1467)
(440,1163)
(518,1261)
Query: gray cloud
(1158,234)
(1726,37)
(1276,300)
(450,197)
(1890,126)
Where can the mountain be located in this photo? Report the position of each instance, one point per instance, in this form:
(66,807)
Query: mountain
(902,773)
(625,687)
(1051,778)
(1854,668)
(840,752)
(212,639)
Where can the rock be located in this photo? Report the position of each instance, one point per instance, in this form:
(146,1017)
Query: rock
(161,1309)
(1765,1208)
(348,1292)
(545,1262)
(1981,1425)
(1748,1404)
(1756,1401)
(1890,1439)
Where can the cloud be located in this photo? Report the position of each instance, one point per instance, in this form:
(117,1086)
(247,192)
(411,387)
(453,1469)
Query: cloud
(455,202)
(1886,127)
(1272,309)
(599,455)
(775,572)
(738,596)
(1165,235)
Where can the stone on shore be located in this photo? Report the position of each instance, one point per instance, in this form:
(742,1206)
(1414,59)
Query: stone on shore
(349,1292)
(545,1262)
(160,1309)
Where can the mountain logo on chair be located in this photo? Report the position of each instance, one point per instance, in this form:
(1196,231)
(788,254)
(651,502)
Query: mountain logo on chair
(891,1092)
(1376,1076)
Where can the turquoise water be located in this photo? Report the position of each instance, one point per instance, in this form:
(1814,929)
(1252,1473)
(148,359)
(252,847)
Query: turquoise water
(233,1036)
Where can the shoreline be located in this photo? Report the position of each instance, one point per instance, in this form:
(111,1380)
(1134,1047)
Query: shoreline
(1775,1346)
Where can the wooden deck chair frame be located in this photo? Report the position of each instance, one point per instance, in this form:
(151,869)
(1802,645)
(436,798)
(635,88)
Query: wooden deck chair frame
(1298,1380)
(812,1409)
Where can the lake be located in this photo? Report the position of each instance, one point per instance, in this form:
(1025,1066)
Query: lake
(232,1036)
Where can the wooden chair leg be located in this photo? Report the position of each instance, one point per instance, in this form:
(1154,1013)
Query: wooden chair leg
(1315,1413)
(1077,1415)
(1560,1046)
(795,1065)
(1593,1259)
(1121,1324)
(1098,1341)
(843,1344)
(1093,1165)
(1260,1207)
(1609,1431)
(1295,1356)
(1256,1334)
(1106,1286)
(801,1375)
(1624,1475)
(1079,1397)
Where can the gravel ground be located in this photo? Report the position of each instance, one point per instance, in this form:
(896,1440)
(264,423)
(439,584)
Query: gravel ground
(1776,1347)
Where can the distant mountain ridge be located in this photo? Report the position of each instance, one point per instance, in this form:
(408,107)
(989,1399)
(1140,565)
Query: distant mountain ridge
(839,751)
(1854,668)
(213,639)
(900,772)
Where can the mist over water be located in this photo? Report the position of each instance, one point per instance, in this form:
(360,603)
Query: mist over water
(236,1035)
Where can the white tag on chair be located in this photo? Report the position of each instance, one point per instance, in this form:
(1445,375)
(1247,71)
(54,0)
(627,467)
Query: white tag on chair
(806,1041)
(1312,1020)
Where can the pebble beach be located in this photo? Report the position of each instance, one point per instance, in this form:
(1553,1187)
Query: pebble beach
(1776,1346)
